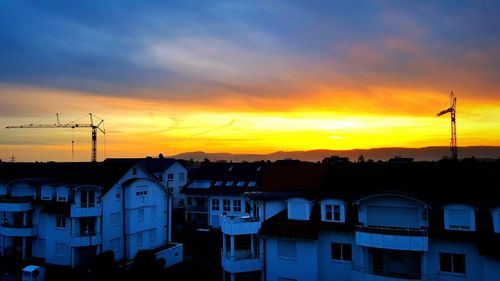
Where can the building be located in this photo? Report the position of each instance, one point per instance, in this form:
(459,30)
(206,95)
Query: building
(216,190)
(66,213)
(369,221)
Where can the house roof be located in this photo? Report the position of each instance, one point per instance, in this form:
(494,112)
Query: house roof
(226,177)
(152,165)
(104,174)
(293,176)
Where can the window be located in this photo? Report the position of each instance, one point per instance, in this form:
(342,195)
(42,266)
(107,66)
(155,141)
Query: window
(170,177)
(139,240)
(252,184)
(134,171)
(226,205)
(287,249)
(160,177)
(236,205)
(218,183)
(452,262)
(182,177)
(60,247)
(87,226)
(189,201)
(459,218)
(332,212)
(240,184)
(117,195)
(61,222)
(152,235)
(87,198)
(215,205)
(341,251)
(141,191)
(140,215)
(229,183)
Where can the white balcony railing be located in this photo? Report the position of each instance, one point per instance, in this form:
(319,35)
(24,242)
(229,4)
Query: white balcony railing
(234,225)
(88,210)
(15,204)
(392,238)
(369,274)
(241,261)
(18,230)
(86,239)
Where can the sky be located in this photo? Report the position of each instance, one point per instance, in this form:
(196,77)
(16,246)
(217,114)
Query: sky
(245,76)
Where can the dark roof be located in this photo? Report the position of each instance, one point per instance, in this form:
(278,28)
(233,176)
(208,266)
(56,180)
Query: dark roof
(293,176)
(104,174)
(225,176)
(152,165)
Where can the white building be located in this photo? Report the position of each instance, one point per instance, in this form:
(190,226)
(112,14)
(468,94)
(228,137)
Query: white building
(66,213)
(216,190)
(369,222)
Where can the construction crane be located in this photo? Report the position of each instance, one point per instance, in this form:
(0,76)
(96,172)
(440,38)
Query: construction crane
(94,126)
(452,110)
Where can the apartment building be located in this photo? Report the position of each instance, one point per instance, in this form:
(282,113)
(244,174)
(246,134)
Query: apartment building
(66,213)
(215,191)
(371,221)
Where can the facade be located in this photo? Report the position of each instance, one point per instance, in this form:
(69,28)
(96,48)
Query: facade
(369,222)
(66,213)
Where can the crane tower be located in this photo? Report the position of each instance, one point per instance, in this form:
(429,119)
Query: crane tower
(72,125)
(452,111)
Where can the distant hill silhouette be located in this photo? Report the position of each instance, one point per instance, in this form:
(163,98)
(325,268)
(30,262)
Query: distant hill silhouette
(431,153)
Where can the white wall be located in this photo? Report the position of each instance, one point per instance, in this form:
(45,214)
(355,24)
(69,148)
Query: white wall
(328,267)
(271,208)
(303,268)
(176,169)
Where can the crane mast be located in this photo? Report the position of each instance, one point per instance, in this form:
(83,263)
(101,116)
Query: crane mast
(72,125)
(452,111)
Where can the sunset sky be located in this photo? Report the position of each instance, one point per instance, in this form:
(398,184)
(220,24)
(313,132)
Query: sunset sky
(246,76)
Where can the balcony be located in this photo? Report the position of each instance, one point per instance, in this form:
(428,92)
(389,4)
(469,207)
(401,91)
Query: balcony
(368,274)
(241,261)
(86,210)
(15,204)
(395,238)
(232,225)
(85,239)
(18,230)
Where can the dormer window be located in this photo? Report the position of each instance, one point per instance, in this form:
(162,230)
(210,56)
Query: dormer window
(218,183)
(332,210)
(459,217)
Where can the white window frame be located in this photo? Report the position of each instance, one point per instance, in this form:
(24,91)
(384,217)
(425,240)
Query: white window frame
(226,207)
(472,218)
(329,205)
(215,207)
(60,222)
(237,205)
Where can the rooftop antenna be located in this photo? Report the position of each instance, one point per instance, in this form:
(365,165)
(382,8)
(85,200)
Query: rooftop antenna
(452,111)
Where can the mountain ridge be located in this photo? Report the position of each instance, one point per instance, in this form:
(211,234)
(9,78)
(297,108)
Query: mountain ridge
(428,153)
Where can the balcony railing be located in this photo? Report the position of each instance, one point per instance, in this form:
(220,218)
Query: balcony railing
(85,239)
(241,261)
(86,210)
(15,204)
(238,225)
(393,230)
(17,230)
(365,273)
